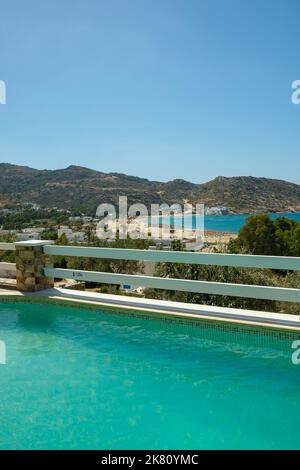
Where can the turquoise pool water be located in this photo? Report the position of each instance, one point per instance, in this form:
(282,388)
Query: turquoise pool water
(77,379)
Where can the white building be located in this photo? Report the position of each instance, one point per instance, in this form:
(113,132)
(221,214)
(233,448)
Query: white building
(34,230)
(23,237)
(87,219)
(78,236)
(70,235)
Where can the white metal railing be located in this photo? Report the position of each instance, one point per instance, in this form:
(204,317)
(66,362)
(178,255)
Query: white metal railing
(203,287)
(10,267)
(7,246)
(186,257)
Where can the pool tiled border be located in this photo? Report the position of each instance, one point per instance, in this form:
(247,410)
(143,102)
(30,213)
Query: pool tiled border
(219,324)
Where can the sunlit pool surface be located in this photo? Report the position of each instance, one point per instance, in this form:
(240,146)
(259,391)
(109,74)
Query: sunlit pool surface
(80,379)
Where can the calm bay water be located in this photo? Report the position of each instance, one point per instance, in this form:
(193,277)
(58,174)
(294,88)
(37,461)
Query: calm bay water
(231,223)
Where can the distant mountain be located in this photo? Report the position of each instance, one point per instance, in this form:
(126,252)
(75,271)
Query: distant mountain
(77,187)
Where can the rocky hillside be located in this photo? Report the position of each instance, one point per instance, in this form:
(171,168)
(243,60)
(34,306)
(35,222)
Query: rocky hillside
(81,188)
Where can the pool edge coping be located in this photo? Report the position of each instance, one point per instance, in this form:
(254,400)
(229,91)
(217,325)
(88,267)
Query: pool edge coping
(165,309)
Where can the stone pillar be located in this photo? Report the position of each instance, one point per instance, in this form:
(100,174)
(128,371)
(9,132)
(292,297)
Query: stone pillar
(30,263)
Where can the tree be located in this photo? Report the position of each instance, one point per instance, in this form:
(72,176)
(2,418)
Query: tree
(49,235)
(263,236)
(7,256)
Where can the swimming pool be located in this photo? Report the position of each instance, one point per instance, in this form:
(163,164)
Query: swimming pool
(83,379)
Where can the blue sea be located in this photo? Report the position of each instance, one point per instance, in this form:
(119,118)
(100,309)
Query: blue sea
(233,223)
(228,223)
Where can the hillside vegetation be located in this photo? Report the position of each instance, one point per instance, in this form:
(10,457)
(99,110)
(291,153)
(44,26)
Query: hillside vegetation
(81,188)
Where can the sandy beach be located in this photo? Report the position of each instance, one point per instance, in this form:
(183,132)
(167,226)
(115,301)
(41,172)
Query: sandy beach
(218,237)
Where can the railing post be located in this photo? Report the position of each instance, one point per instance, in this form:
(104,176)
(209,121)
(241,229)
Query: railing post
(30,264)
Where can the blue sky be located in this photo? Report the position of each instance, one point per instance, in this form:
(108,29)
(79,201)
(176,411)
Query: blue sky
(161,89)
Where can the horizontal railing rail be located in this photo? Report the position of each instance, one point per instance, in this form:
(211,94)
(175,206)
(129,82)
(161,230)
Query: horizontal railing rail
(186,257)
(183,285)
(7,247)
(7,266)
